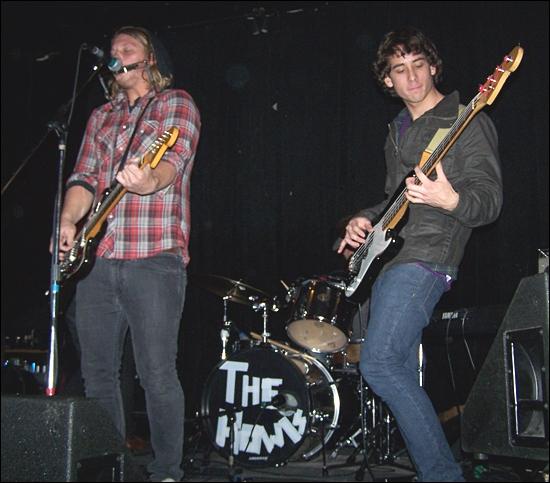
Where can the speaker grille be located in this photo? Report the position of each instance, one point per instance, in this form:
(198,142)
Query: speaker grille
(524,352)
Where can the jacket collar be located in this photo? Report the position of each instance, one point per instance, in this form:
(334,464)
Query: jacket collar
(447,108)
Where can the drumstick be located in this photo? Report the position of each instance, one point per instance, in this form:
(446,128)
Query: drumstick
(284,284)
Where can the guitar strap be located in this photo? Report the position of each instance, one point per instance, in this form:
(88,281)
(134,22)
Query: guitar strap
(440,134)
(138,122)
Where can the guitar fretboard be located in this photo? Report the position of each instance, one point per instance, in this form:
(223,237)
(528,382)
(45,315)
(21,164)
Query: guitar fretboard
(433,159)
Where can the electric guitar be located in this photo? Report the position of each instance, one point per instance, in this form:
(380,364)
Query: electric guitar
(81,255)
(382,242)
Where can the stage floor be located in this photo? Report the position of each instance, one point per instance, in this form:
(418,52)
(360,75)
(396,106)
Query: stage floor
(203,463)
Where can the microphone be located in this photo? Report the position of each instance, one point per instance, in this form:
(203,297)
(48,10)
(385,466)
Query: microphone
(114,64)
(94,50)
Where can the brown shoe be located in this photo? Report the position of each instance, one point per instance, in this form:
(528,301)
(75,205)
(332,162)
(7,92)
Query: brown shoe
(137,444)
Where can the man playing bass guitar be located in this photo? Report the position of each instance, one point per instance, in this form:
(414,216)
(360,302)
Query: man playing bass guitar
(462,192)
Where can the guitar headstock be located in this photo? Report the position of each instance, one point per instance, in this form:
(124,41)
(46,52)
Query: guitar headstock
(155,152)
(490,90)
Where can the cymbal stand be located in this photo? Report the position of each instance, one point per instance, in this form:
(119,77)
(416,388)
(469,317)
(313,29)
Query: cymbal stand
(225,331)
(261,306)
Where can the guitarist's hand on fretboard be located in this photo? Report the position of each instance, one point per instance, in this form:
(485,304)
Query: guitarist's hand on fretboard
(356,231)
(135,179)
(438,193)
(144,180)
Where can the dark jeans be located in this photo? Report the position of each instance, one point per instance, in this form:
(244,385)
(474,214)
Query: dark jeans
(146,296)
(401,304)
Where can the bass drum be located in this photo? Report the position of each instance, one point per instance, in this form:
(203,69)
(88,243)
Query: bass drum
(271,404)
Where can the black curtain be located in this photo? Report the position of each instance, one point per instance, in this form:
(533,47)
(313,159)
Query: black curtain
(291,144)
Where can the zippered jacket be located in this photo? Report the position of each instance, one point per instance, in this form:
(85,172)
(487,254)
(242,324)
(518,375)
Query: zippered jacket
(472,166)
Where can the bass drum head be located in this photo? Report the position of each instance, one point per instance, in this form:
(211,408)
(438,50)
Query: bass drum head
(263,396)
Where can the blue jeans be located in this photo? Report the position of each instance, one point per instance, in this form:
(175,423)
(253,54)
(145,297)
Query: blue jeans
(145,296)
(401,304)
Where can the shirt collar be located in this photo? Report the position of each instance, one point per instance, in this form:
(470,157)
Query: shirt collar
(120,101)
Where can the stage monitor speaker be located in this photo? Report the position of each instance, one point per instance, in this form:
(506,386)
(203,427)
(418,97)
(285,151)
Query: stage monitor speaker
(506,413)
(59,439)
(456,344)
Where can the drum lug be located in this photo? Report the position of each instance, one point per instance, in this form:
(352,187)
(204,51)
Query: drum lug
(318,416)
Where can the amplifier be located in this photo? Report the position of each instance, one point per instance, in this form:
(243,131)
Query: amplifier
(466,321)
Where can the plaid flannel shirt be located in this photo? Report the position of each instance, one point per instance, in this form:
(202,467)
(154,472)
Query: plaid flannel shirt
(141,226)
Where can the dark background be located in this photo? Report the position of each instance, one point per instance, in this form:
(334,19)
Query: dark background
(293,129)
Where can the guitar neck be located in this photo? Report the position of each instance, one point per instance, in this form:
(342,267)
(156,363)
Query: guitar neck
(93,226)
(395,212)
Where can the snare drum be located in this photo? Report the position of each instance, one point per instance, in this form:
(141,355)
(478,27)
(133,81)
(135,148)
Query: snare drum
(272,404)
(318,323)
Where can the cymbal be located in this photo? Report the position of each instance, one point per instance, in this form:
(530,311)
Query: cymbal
(234,290)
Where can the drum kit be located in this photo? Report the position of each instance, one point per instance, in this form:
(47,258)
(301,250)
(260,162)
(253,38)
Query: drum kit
(271,402)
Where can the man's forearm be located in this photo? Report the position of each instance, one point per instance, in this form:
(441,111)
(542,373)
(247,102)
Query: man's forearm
(77,204)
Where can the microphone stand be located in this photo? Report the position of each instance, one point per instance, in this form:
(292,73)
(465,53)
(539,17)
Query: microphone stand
(233,472)
(62,131)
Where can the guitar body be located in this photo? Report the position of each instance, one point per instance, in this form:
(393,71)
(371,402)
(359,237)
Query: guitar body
(83,259)
(385,247)
(80,258)
(381,245)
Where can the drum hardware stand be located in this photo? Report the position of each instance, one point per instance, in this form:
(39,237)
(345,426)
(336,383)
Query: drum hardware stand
(233,472)
(350,440)
(323,447)
(261,306)
(231,420)
(231,460)
(359,474)
(363,446)
(195,443)
(225,331)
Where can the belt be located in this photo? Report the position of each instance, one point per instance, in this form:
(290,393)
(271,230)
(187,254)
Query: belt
(174,250)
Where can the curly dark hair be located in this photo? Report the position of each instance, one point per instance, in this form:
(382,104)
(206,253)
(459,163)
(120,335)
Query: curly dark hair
(404,41)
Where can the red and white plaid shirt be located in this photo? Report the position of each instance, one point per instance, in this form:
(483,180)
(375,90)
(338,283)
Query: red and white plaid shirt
(141,226)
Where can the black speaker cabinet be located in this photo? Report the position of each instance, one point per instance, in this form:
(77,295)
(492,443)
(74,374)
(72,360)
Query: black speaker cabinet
(59,439)
(506,413)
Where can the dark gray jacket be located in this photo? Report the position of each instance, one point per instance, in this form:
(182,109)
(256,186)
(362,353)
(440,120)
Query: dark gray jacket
(436,236)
